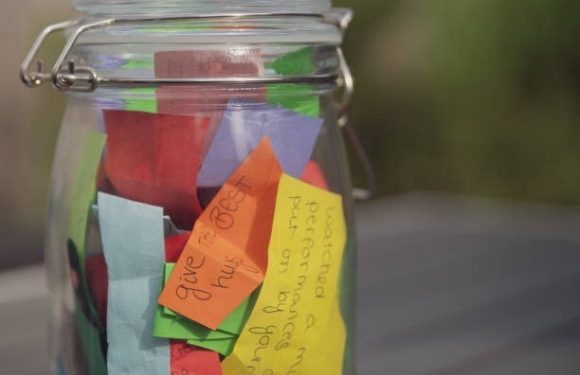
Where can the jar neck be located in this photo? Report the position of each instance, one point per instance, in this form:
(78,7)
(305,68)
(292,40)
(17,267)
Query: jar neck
(134,8)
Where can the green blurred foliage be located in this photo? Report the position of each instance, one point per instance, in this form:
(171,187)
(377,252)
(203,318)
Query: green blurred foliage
(478,97)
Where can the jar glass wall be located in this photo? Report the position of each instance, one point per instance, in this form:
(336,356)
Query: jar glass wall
(141,173)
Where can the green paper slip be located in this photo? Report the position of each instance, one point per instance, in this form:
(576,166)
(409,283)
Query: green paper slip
(167,269)
(177,327)
(168,312)
(148,103)
(299,62)
(298,98)
(139,64)
(90,344)
(184,329)
(224,347)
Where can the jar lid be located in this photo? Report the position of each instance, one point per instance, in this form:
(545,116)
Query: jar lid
(166,7)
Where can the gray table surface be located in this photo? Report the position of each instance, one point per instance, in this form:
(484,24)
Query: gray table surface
(447,285)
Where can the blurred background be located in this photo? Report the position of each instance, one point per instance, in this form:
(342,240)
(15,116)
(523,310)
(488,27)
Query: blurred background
(470,111)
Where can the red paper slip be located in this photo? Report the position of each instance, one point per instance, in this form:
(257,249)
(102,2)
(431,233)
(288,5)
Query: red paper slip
(314,176)
(190,360)
(155,159)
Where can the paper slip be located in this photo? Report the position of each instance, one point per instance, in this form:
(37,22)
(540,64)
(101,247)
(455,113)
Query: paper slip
(174,246)
(189,360)
(298,98)
(292,135)
(170,325)
(296,326)
(155,159)
(226,257)
(132,235)
(314,176)
(90,344)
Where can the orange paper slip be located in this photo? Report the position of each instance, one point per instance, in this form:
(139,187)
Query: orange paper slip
(226,257)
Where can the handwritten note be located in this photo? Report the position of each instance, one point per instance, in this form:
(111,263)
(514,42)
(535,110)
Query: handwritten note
(226,257)
(155,159)
(296,326)
(132,235)
(292,135)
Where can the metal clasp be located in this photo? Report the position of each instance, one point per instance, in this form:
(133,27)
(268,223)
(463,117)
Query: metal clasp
(342,18)
(67,76)
(39,77)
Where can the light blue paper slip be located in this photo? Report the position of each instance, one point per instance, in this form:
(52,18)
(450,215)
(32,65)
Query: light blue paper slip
(132,235)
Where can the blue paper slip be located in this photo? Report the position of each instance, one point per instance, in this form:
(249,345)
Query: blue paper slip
(292,135)
(133,243)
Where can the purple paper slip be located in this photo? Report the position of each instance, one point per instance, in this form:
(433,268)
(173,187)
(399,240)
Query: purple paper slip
(292,135)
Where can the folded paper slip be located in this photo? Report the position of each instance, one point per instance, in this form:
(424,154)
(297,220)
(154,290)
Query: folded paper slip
(96,267)
(226,257)
(155,159)
(296,325)
(221,341)
(173,326)
(232,325)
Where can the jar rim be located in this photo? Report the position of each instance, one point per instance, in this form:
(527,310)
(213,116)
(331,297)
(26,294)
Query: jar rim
(173,7)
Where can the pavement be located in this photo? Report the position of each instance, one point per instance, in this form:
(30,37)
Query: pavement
(447,285)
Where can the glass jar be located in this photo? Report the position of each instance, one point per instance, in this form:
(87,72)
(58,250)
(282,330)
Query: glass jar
(200,215)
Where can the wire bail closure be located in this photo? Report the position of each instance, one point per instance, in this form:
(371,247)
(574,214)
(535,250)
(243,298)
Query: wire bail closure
(66,75)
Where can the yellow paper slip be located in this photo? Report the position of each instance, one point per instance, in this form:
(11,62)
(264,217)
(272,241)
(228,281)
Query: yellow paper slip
(296,326)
